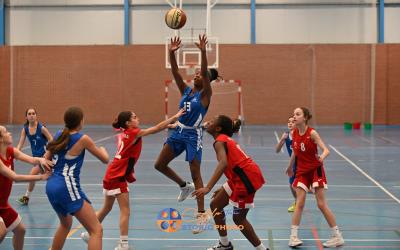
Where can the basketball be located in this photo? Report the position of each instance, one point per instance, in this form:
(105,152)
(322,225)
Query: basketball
(175,18)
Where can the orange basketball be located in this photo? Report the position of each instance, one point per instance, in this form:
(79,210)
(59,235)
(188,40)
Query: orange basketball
(175,18)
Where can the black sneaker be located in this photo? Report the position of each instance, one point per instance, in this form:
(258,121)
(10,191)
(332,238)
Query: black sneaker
(219,246)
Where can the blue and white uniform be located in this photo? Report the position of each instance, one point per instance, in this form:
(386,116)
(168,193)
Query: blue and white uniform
(188,135)
(288,143)
(63,188)
(38,140)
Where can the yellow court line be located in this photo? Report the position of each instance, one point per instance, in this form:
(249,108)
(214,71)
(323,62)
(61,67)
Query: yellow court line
(74,230)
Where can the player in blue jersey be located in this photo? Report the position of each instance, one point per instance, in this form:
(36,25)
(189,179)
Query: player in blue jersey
(286,139)
(63,188)
(187,135)
(38,136)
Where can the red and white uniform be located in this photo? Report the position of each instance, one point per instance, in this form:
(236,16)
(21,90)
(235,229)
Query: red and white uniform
(121,169)
(243,174)
(10,217)
(310,171)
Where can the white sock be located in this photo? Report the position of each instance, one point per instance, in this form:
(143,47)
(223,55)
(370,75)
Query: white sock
(293,230)
(224,240)
(27,193)
(335,230)
(123,239)
(261,247)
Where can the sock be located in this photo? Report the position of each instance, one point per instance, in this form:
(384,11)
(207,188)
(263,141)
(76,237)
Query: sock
(183,185)
(335,230)
(27,193)
(224,240)
(123,239)
(294,230)
(261,247)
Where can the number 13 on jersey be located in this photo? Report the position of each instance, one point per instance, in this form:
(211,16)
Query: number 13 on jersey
(186,106)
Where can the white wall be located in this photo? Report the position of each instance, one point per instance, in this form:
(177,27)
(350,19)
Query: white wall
(71,22)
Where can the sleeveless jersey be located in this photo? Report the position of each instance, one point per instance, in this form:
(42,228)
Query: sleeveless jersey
(195,111)
(288,142)
(5,183)
(128,152)
(38,140)
(65,179)
(241,168)
(306,151)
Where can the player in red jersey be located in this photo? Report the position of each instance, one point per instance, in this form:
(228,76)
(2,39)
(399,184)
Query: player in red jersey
(120,171)
(9,218)
(244,179)
(310,175)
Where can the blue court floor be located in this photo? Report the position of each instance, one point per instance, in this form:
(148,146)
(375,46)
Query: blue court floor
(364,190)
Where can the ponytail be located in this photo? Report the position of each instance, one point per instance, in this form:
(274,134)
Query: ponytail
(60,143)
(120,121)
(73,117)
(228,127)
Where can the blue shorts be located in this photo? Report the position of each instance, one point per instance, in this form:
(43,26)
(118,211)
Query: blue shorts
(291,179)
(63,200)
(187,140)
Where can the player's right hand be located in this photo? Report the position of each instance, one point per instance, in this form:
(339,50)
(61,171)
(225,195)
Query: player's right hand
(175,44)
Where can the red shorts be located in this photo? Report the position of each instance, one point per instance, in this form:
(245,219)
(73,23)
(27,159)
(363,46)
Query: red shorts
(238,195)
(10,217)
(312,179)
(114,187)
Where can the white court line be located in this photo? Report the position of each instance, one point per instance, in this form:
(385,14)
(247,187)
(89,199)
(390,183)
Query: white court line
(179,160)
(146,198)
(208,239)
(365,174)
(175,185)
(388,140)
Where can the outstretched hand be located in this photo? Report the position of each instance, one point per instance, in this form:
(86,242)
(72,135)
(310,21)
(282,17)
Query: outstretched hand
(199,193)
(175,44)
(202,42)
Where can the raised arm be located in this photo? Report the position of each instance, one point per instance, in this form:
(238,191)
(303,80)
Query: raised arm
(21,139)
(174,46)
(206,93)
(99,152)
(219,170)
(317,139)
(47,134)
(162,125)
(281,142)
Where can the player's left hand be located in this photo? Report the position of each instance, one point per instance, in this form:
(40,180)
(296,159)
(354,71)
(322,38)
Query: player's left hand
(202,42)
(199,193)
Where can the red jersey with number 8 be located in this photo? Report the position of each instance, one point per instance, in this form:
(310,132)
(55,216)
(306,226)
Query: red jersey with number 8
(306,151)
(241,169)
(129,148)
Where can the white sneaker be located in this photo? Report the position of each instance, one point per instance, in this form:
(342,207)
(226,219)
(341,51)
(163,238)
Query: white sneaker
(85,237)
(186,191)
(294,241)
(201,222)
(219,246)
(123,247)
(335,241)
